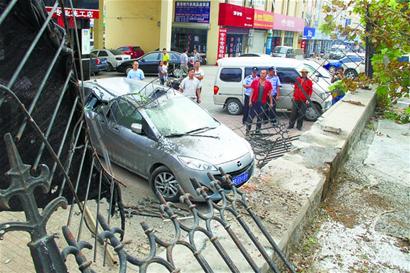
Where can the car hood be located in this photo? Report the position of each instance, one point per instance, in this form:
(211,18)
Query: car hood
(223,145)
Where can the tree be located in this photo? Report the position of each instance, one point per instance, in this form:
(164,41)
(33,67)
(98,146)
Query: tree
(385,25)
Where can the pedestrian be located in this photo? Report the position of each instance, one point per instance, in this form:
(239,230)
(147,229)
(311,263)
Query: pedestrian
(197,56)
(247,85)
(338,88)
(162,72)
(135,73)
(165,55)
(190,86)
(260,95)
(303,89)
(199,74)
(184,61)
(275,81)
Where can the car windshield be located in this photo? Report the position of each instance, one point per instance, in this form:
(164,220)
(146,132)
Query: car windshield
(279,49)
(179,115)
(116,51)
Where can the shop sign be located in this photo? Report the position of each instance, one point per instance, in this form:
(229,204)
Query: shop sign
(221,43)
(235,16)
(192,12)
(262,19)
(288,23)
(308,32)
(77,13)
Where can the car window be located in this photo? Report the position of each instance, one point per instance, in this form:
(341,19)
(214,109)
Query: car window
(116,51)
(231,74)
(174,57)
(248,70)
(153,57)
(123,48)
(95,52)
(287,76)
(136,48)
(102,53)
(124,113)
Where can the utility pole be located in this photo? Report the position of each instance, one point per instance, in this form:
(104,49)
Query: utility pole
(369,45)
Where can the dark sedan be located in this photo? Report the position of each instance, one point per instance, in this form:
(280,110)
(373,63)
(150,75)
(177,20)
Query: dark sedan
(149,63)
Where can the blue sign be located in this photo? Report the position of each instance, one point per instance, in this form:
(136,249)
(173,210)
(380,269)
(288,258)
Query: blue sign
(309,32)
(192,12)
(269,45)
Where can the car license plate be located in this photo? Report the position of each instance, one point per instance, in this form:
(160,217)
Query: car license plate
(240,179)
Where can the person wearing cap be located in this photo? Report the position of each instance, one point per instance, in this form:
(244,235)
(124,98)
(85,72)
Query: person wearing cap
(275,81)
(260,96)
(247,85)
(302,91)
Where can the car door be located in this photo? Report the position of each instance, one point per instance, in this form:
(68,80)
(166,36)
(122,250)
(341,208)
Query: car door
(149,63)
(287,78)
(103,54)
(128,148)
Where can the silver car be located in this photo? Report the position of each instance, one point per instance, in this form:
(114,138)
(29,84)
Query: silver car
(163,136)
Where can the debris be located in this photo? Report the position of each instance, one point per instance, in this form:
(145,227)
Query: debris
(331,129)
(358,103)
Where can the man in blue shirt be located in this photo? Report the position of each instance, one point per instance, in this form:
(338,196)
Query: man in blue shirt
(274,79)
(247,85)
(135,73)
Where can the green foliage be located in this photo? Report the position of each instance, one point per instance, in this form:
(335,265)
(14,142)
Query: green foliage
(386,25)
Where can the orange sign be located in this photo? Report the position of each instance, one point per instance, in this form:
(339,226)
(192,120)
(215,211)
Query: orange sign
(262,19)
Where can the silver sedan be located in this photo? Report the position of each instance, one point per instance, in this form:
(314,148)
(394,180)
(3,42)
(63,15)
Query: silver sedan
(163,136)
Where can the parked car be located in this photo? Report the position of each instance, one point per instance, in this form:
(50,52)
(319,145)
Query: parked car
(114,57)
(163,136)
(332,65)
(287,52)
(98,64)
(228,89)
(149,63)
(134,51)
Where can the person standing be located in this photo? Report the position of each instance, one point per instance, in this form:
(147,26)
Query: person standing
(190,86)
(260,95)
(275,81)
(199,74)
(165,55)
(302,91)
(184,61)
(162,72)
(247,85)
(197,56)
(135,73)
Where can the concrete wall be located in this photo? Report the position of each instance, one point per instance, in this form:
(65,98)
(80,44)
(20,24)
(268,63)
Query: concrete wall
(212,42)
(133,22)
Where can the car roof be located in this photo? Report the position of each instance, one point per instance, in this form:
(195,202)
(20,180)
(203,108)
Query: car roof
(137,91)
(259,61)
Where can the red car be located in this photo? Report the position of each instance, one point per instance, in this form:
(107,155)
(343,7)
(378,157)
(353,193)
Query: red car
(134,51)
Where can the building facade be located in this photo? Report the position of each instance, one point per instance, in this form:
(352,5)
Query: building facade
(216,28)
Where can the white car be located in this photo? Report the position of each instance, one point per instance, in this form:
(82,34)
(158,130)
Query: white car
(114,57)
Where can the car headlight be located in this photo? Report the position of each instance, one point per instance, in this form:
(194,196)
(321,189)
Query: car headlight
(197,164)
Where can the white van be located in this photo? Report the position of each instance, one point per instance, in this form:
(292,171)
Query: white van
(229,91)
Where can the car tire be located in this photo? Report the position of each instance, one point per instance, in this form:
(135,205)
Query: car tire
(233,106)
(313,112)
(128,69)
(351,73)
(164,181)
(110,67)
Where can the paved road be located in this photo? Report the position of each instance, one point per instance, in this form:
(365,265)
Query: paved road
(138,187)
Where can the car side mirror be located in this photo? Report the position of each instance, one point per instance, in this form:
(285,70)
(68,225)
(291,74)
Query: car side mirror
(136,128)
(142,60)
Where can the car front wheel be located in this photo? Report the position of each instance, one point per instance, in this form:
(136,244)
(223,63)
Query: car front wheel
(164,181)
(351,74)
(313,112)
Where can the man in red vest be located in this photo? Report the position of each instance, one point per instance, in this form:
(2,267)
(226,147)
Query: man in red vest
(303,90)
(261,94)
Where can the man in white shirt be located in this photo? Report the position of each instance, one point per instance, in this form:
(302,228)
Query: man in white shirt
(184,61)
(199,74)
(190,86)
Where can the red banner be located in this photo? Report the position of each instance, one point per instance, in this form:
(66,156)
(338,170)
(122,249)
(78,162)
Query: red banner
(235,16)
(78,13)
(221,43)
(263,19)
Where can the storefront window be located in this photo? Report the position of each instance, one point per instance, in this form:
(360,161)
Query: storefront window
(234,44)
(288,38)
(189,38)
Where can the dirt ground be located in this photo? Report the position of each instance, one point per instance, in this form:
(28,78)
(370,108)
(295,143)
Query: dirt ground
(364,224)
